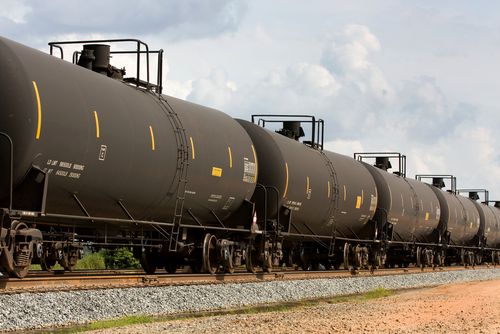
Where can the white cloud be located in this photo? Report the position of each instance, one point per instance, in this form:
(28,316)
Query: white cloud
(173,20)
(214,91)
(350,50)
(15,11)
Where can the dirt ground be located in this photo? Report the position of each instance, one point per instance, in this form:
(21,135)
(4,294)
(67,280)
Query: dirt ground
(472,307)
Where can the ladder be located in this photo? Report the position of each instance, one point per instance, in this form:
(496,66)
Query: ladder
(181,170)
(334,204)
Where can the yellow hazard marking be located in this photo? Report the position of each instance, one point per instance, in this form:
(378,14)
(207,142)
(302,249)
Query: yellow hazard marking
(230,157)
(358,202)
(286,180)
(345,194)
(152,138)
(97,130)
(307,184)
(193,156)
(329,191)
(427,216)
(256,163)
(216,171)
(39,110)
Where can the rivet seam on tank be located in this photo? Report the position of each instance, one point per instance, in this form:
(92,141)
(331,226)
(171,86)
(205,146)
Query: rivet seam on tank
(97,129)
(39,111)
(193,156)
(230,157)
(216,171)
(256,163)
(152,138)
(286,180)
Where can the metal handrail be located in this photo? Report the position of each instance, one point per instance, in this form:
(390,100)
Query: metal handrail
(372,155)
(453,179)
(138,52)
(317,135)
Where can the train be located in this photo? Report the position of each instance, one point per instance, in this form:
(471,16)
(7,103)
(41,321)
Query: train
(92,158)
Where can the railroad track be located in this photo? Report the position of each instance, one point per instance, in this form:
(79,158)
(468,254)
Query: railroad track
(84,280)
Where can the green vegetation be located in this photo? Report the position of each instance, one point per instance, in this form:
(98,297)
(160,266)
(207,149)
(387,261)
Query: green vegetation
(377,293)
(125,321)
(91,261)
(120,258)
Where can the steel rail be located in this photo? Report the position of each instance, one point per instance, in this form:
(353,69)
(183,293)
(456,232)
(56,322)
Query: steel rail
(49,282)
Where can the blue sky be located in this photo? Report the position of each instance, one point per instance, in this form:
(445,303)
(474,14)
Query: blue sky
(418,78)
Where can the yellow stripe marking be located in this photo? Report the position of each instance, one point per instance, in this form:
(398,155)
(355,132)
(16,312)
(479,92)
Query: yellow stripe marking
(97,130)
(193,156)
(286,180)
(427,216)
(329,189)
(358,202)
(152,138)
(230,157)
(345,194)
(256,163)
(307,184)
(39,109)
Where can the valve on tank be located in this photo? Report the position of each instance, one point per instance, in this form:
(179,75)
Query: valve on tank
(473,195)
(96,57)
(292,129)
(383,163)
(438,182)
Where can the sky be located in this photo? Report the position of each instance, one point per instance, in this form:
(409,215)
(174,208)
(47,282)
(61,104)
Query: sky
(420,78)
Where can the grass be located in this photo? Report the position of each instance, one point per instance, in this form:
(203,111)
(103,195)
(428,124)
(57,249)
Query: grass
(281,307)
(120,322)
(377,293)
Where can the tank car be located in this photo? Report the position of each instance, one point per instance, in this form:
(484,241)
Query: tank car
(320,200)
(408,211)
(468,227)
(96,158)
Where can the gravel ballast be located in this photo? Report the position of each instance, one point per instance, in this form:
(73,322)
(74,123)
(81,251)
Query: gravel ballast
(50,309)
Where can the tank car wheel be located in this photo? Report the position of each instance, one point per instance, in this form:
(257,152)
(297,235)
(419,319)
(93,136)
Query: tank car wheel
(347,253)
(305,263)
(268,262)
(171,267)
(478,259)
(494,258)
(229,261)
(251,258)
(69,259)
(196,260)
(210,258)
(420,264)
(17,255)
(47,264)
(148,262)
